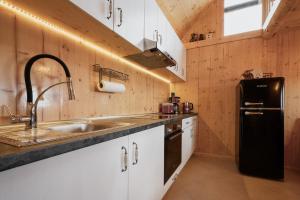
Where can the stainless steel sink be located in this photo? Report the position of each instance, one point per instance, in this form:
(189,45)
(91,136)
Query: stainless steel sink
(19,136)
(86,127)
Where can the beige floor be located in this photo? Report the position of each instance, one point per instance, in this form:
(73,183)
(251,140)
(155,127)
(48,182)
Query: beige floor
(218,179)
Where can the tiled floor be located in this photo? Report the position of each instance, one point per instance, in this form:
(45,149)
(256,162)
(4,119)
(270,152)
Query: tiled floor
(219,179)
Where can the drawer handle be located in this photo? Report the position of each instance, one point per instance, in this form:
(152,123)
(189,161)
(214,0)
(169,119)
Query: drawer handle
(110,9)
(121,17)
(136,153)
(125,159)
(160,39)
(155,36)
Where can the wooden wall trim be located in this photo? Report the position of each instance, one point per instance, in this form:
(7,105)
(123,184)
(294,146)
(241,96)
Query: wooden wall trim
(275,19)
(223,40)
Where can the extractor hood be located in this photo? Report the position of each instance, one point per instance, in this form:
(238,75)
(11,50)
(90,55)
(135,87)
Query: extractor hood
(152,57)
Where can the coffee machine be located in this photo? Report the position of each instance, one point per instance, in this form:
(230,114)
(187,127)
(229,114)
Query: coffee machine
(175,101)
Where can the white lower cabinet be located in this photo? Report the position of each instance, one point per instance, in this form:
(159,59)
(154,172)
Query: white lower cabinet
(102,171)
(188,138)
(93,172)
(146,171)
(186,144)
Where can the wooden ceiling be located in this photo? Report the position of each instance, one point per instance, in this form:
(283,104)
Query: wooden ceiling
(181,13)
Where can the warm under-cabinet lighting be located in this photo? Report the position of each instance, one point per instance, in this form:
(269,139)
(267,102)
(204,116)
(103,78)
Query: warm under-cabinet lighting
(76,38)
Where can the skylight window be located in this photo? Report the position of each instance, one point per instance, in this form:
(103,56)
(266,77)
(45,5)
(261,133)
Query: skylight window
(242,16)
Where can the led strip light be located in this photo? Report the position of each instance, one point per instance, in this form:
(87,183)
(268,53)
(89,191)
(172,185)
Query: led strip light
(76,38)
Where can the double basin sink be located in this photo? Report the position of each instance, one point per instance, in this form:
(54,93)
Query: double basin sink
(19,136)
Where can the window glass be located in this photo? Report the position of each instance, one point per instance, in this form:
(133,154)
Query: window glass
(245,17)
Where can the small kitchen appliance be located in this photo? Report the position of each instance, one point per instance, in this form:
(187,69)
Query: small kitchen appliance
(187,107)
(167,108)
(175,101)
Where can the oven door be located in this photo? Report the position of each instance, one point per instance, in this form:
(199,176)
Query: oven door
(172,154)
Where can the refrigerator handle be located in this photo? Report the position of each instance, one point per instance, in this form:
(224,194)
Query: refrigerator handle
(254,103)
(253,113)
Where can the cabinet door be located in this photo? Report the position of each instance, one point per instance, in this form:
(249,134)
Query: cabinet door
(186,144)
(162,30)
(129,21)
(183,62)
(102,10)
(146,159)
(92,173)
(151,20)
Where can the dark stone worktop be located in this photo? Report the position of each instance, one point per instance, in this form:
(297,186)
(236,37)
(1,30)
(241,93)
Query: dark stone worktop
(11,156)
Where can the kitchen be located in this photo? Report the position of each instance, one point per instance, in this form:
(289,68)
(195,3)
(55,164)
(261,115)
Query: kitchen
(119,64)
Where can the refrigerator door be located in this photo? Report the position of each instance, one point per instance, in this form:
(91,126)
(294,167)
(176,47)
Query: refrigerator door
(262,93)
(262,143)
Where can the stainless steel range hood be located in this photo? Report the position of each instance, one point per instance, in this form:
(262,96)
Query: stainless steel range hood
(152,57)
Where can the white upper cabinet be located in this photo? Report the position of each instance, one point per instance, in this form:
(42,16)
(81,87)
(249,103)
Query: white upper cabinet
(155,24)
(129,21)
(125,17)
(151,20)
(162,30)
(102,10)
(183,63)
(136,20)
(146,171)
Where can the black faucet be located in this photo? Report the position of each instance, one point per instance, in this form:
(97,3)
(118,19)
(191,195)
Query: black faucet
(31,118)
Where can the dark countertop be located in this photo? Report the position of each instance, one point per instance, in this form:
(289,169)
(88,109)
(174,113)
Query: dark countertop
(11,156)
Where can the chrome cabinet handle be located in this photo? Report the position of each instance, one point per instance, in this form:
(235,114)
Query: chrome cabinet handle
(160,39)
(253,113)
(110,9)
(136,153)
(155,36)
(121,17)
(125,159)
(254,104)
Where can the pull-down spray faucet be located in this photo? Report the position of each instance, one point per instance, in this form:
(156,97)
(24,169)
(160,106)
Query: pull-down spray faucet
(31,121)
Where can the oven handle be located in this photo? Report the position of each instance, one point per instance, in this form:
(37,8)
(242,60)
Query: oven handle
(175,136)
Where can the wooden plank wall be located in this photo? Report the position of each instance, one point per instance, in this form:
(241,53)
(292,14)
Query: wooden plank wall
(208,20)
(213,73)
(282,56)
(20,40)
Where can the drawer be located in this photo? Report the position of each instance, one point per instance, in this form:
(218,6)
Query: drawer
(187,122)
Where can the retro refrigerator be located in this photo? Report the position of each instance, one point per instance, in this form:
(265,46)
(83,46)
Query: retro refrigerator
(261,127)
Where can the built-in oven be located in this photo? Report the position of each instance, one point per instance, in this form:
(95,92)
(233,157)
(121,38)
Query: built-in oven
(173,138)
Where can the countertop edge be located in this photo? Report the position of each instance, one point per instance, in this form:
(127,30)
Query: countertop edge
(36,154)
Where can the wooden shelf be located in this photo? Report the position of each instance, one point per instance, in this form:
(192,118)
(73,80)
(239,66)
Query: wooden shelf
(226,39)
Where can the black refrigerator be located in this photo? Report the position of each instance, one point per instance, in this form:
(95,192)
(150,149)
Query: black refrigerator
(261,127)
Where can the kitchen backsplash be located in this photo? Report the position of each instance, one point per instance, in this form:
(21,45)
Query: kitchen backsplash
(20,40)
